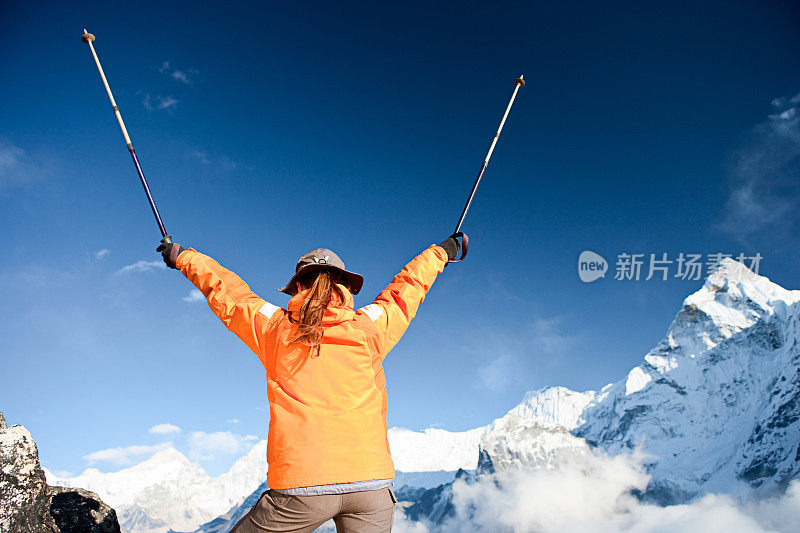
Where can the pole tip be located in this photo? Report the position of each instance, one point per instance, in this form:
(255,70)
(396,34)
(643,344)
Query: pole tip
(519,81)
(87,37)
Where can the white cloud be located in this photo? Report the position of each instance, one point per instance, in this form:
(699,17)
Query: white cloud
(124,455)
(207,446)
(764,198)
(102,254)
(167,102)
(194,296)
(232,421)
(142,266)
(186,76)
(181,76)
(594,493)
(164,429)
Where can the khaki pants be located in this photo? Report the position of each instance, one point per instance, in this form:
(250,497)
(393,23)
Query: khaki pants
(368,511)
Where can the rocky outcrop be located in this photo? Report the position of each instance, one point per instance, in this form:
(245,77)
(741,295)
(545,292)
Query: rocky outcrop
(24,499)
(29,505)
(81,511)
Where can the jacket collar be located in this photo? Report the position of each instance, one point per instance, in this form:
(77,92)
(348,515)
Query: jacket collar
(332,315)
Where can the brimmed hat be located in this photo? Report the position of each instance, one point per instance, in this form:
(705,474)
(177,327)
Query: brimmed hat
(322,259)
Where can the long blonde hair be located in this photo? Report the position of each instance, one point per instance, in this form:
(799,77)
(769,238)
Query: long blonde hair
(322,291)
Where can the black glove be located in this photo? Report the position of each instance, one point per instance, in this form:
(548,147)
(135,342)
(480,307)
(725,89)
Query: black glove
(451,246)
(170,251)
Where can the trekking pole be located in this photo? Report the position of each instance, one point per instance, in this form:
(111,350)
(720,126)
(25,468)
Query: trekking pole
(88,38)
(519,82)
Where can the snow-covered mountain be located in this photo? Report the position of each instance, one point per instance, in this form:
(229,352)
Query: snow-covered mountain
(714,408)
(717,401)
(169,491)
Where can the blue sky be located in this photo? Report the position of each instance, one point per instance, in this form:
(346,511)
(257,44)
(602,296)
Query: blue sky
(268,129)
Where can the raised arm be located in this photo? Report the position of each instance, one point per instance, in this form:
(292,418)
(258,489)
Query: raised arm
(395,307)
(229,297)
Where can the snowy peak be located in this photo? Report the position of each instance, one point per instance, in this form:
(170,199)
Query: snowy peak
(732,299)
(167,455)
(556,405)
(735,278)
(169,458)
(736,296)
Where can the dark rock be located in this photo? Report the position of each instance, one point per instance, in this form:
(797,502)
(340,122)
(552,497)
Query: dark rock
(408,493)
(680,390)
(435,505)
(625,422)
(81,511)
(485,464)
(787,413)
(663,494)
(757,471)
(29,505)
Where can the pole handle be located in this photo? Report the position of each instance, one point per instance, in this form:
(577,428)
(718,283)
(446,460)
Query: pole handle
(464,245)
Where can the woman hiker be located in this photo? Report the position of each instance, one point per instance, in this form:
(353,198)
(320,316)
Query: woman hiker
(327,449)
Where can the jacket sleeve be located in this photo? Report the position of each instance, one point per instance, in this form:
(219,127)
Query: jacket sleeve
(229,297)
(395,307)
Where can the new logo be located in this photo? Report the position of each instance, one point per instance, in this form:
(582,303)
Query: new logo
(591,266)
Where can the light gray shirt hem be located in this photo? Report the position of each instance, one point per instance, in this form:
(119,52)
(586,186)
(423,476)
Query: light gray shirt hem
(338,488)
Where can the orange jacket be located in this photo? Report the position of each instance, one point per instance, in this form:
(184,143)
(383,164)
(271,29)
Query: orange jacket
(327,412)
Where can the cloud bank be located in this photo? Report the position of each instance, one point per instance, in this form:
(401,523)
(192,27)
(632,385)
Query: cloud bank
(124,455)
(594,493)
